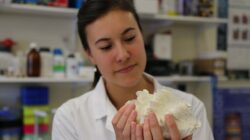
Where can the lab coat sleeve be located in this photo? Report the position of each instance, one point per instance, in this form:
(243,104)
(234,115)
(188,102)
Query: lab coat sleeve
(63,126)
(204,132)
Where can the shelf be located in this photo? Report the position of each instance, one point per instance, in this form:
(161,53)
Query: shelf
(182,79)
(234,83)
(71,13)
(38,10)
(43,80)
(186,19)
(53,80)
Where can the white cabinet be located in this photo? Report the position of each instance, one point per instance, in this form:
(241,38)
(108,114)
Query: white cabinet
(53,27)
(38,11)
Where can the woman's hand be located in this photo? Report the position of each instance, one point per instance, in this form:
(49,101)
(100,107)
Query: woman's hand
(152,129)
(173,129)
(124,123)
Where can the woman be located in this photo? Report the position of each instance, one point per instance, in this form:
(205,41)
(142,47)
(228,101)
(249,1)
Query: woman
(112,37)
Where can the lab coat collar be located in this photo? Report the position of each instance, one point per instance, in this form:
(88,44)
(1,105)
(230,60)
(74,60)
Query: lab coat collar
(105,110)
(156,84)
(100,99)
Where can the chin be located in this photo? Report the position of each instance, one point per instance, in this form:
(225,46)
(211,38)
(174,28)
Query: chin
(130,81)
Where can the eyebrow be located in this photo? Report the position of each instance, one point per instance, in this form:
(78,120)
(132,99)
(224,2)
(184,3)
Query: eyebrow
(123,33)
(127,30)
(102,39)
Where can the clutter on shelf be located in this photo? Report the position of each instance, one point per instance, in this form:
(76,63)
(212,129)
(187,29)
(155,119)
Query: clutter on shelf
(53,3)
(43,61)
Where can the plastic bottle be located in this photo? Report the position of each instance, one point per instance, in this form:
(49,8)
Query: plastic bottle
(21,64)
(58,63)
(80,62)
(46,62)
(33,61)
(169,7)
(72,66)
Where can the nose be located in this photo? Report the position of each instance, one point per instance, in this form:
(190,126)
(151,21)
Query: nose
(123,53)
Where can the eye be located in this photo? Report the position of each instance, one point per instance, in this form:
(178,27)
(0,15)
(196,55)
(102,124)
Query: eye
(106,48)
(130,39)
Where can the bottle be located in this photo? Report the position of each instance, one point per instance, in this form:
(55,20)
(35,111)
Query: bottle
(46,62)
(21,64)
(169,7)
(80,62)
(33,61)
(58,63)
(233,126)
(72,66)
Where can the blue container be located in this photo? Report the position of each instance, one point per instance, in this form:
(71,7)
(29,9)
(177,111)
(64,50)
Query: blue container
(76,3)
(233,102)
(11,133)
(31,1)
(32,95)
(10,124)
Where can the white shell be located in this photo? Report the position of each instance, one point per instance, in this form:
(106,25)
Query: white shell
(162,103)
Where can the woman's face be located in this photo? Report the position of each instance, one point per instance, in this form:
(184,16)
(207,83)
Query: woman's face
(116,46)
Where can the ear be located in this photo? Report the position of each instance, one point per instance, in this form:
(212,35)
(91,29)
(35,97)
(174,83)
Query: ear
(90,57)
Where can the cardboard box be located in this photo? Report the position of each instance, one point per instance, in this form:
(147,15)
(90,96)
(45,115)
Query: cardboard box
(212,66)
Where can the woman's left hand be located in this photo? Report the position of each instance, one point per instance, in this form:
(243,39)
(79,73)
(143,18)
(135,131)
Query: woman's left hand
(152,130)
(173,129)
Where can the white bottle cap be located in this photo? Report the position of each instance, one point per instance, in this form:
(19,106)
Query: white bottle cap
(33,45)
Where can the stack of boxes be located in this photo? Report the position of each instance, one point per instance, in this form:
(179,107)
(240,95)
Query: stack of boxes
(35,99)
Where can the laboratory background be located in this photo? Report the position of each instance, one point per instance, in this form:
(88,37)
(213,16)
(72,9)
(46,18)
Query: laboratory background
(198,46)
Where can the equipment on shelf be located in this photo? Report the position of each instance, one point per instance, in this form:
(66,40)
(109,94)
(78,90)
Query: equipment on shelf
(159,67)
(33,61)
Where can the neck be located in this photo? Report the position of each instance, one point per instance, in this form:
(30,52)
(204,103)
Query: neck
(120,95)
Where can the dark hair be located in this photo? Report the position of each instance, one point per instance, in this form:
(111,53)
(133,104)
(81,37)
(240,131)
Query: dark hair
(91,10)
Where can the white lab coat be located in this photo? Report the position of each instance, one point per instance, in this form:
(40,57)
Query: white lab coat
(89,116)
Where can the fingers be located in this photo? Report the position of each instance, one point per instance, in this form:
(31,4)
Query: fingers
(122,121)
(118,115)
(151,128)
(188,138)
(173,130)
(146,129)
(133,131)
(127,129)
(116,120)
(138,133)
(155,127)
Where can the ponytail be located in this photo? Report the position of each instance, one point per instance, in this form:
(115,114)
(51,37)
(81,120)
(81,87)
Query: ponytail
(96,77)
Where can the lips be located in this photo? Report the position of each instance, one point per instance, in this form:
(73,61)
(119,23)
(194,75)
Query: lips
(126,69)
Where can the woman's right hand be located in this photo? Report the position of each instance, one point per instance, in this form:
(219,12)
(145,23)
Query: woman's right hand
(124,122)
